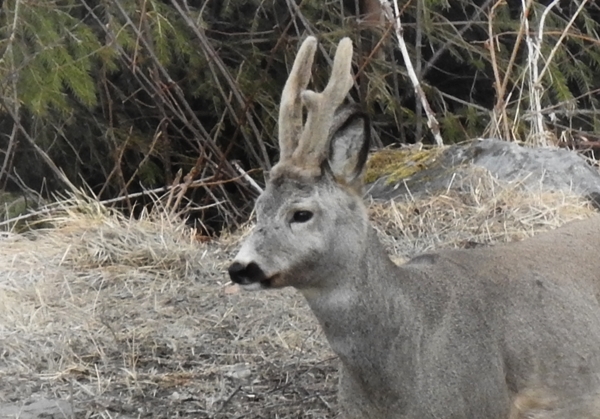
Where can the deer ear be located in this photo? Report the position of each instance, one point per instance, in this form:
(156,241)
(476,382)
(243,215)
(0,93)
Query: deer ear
(349,147)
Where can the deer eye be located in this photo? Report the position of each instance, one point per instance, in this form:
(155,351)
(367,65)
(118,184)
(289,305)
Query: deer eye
(302,216)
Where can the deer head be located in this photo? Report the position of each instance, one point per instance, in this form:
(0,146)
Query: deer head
(310,218)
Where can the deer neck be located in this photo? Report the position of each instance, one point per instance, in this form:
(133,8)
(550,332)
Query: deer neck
(364,305)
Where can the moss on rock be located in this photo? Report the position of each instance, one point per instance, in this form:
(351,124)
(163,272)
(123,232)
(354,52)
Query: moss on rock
(399,164)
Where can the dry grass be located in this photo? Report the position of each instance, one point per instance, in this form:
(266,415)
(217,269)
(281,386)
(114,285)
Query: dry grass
(476,210)
(135,318)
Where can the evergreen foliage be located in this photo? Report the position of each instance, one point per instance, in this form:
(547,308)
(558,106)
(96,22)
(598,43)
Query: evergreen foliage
(123,94)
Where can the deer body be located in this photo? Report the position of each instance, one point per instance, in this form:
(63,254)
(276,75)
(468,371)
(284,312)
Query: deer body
(503,332)
(465,343)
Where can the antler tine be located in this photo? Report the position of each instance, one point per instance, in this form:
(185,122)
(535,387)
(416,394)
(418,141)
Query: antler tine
(290,109)
(312,147)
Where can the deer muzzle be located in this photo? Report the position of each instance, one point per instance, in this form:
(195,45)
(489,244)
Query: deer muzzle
(248,274)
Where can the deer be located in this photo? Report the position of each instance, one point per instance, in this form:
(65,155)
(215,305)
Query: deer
(506,331)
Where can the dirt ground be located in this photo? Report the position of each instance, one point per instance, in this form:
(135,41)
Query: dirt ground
(107,317)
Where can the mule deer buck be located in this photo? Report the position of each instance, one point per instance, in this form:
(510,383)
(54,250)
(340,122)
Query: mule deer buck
(507,331)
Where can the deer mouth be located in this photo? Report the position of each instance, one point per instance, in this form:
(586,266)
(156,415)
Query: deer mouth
(251,277)
(273,281)
(257,285)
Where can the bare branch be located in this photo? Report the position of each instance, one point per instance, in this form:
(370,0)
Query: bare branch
(210,52)
(246,176)
(534,46)
(9,54)
(563,35)
(432,122)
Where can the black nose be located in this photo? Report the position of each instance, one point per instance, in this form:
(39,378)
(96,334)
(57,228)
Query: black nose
(246,274)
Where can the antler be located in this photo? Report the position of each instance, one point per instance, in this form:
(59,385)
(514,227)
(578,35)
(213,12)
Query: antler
(308,147)
(312,146)
(290,109)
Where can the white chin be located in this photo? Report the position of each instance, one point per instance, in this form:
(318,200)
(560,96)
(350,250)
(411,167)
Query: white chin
(255,286)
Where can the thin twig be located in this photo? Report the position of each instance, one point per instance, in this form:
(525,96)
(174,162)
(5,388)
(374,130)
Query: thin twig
(172,189)
(246,177)
(233,86)
(418,68)
(538,131)
(15,99)
(432,122)
(499,83)
(514,54)
(55,169)
(467,24)
(159,85)
(562,38)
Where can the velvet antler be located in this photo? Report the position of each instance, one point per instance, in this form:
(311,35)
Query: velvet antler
(306,147)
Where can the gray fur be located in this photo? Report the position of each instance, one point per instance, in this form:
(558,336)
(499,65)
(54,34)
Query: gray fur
(452,334)
(510,331)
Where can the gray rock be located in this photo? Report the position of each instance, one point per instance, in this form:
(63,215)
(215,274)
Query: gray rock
(550,169)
